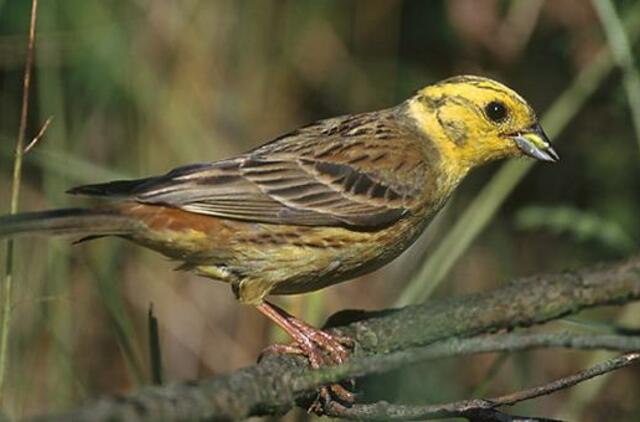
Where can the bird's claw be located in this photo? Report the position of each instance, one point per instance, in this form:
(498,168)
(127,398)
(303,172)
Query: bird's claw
(334,395)
(336,347)
(280,349)
(320,349)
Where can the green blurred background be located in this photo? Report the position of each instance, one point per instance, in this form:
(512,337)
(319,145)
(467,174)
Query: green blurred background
(137,87)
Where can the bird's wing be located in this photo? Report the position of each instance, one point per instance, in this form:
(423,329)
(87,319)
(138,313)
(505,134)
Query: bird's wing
(315,176)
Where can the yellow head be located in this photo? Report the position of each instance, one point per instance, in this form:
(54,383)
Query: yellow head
(475,120)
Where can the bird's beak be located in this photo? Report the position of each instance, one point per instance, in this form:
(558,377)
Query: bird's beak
(535,143)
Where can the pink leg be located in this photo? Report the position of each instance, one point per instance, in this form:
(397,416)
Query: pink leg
(319,347)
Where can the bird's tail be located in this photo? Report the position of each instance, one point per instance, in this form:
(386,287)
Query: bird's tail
(69,222)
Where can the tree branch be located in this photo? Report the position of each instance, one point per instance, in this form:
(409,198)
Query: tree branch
(389,339)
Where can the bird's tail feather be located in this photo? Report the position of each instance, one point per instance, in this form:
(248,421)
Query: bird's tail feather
(70,222)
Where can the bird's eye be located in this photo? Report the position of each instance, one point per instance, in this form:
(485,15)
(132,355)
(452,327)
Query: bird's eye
(496,111)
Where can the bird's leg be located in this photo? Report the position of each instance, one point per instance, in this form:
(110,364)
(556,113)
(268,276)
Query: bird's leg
(319,347)
(303,344)
(307,338)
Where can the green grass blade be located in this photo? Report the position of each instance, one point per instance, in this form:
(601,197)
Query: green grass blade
(623,56)
(15,198)
(155,355)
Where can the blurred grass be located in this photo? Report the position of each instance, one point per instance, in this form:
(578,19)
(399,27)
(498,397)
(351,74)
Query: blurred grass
(104,273)
(137,88)
(582,225)
(620,47)
(52,98)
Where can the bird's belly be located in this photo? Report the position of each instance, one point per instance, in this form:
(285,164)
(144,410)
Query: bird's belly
(291,260)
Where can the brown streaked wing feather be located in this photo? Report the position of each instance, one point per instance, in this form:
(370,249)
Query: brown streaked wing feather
(313,189)
(215,189)
(342,171)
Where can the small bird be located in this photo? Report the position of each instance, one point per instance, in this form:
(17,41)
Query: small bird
(322,204)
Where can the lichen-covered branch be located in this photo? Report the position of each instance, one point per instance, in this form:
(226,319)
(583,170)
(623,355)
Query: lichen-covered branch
(389,339)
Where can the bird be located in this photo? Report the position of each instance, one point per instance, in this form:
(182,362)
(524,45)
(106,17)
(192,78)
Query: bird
(322,204)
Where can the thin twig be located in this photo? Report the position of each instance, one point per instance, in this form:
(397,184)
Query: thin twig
(15,196)
(40,134)
(566,382)
(477,409)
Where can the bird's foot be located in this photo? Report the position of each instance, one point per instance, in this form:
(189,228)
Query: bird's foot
(320,348)
(334,347)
